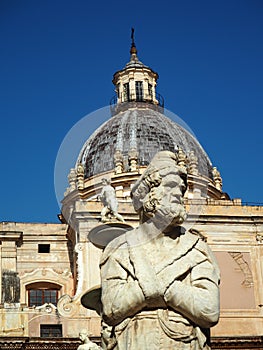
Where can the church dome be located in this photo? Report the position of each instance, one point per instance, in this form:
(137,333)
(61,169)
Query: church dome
(144,130)
(138,128)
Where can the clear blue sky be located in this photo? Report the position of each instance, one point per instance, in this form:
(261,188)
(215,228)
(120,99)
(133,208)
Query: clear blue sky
(57,59)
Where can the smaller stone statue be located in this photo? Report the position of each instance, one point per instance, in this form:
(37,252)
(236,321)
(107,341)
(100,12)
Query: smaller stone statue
(87,343)
(109,200)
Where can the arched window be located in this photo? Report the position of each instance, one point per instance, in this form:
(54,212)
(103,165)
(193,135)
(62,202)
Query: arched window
(42,292)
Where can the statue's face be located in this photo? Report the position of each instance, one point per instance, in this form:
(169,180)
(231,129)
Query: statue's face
(82,336)
(166,200)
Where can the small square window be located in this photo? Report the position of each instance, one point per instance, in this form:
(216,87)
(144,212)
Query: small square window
(44,248)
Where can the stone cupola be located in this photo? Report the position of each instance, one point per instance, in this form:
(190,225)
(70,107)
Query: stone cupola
(136,82)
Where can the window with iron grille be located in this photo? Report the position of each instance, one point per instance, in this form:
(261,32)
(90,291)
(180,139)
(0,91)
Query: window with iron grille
(37,297)
(50,330)
(39,293)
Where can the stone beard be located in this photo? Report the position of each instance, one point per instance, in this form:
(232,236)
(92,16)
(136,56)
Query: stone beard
(159,282)
(163,203)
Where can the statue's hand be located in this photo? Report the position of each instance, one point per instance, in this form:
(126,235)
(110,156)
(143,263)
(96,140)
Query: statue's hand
(156,302)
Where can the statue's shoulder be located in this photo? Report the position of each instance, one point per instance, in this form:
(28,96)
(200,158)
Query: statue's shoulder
(204,249)
(113,246)
(197,240)
(198,234)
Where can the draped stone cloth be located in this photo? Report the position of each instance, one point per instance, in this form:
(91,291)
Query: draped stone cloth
(161,293)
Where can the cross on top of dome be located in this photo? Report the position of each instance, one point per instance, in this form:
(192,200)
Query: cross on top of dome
(133,49)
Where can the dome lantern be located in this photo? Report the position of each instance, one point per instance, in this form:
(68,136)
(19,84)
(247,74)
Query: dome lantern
(136,82)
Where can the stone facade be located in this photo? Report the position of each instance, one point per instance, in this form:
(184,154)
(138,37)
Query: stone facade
(233,231)
(34,257)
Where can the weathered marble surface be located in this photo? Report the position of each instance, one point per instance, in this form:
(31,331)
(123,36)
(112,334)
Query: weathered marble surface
(159,282)
(87,343)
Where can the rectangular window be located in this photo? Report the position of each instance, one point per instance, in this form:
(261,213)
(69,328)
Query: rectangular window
(139,91)
(38,297)
(35,297)
(126,92)
(50,296)
(44,248)
(50,330)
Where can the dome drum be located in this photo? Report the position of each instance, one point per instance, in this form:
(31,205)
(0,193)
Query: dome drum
(140,103)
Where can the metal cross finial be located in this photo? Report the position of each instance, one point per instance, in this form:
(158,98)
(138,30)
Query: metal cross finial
(133,50)
(132,35)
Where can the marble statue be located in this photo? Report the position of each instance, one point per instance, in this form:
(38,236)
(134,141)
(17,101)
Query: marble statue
(109,200)
(87,343)
(160,282)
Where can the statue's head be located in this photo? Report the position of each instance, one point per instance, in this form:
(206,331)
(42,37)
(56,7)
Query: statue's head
(158,193)
(105,181)
(83,335)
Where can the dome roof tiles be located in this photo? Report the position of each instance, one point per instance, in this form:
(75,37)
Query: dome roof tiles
(147,129)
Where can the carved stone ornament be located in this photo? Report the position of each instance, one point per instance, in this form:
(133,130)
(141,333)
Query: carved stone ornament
(66,306)
(217,179)
(46,308)
(181,158)
(259,237)
(133,157)
(192,163)
(72,180)
(244,267)
(80,272)
(80,176)
(118,161)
